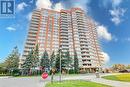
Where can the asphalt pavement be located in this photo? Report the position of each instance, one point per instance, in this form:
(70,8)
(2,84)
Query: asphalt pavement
(39,82)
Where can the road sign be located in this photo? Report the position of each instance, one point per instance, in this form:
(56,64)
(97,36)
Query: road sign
(44,75)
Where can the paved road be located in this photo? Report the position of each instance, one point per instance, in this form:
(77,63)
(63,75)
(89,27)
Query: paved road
(34,81)
(21,82)
(39,82)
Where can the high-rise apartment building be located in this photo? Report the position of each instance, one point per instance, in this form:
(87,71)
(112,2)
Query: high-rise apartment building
(71,30)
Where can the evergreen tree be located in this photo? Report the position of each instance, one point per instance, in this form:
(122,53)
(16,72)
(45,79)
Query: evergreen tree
(45,62)
(28,63)
(76,64)
(36,57)
(63,60)
(12,61)
(68,60)
(57,64)
(52,60)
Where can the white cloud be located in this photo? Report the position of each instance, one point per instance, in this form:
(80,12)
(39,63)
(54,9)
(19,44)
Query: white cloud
(116,20)
(80,3)
(10,29)
(106,57)
(103,33)
(21,6)
(43,4)
(116,11)
(116,2)
(58,6)
(29,16)
(116,14)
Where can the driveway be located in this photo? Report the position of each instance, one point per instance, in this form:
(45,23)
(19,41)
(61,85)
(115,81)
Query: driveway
(21,82)
(32,81)
(39,82)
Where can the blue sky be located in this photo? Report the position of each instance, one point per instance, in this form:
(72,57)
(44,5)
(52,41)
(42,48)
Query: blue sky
(112,17)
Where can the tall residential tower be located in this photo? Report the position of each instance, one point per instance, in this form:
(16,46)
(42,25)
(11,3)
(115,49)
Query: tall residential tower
(71,30)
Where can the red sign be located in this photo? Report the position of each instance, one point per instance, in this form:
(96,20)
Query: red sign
(44,75)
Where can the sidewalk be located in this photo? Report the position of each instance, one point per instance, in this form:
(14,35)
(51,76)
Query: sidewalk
(111,82)
(5,77)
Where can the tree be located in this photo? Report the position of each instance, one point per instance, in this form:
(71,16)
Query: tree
(128,66)
(52,60)
(59,56)
(3,69)
(2,65)
(36,56)
(68,60)
(45,62)
(28,63)
(76,64)
(52,65)
(57,64)
(63,60)
(12,61)
(118,67)
(32,59)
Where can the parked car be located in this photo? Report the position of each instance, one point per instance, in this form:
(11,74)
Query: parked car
(123,71)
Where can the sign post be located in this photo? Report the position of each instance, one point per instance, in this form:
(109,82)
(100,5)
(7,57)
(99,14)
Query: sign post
(52,74)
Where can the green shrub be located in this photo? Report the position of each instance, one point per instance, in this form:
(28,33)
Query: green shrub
(71,71)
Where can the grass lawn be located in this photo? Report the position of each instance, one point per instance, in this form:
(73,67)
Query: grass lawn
(121,77)
(75,83)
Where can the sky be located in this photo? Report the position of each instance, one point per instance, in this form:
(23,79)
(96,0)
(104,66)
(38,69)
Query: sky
(112,18)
